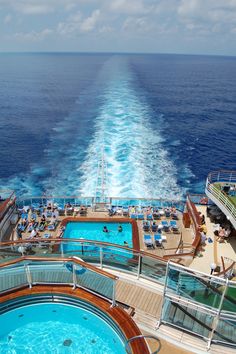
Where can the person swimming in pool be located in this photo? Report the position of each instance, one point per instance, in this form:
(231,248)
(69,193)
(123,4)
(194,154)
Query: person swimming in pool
(126,243)
(120,229)
(105,229)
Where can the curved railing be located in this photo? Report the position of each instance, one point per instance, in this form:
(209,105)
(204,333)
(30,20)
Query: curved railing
(218,196)
(72,271)
(199,298)
(144,336)
(61,201)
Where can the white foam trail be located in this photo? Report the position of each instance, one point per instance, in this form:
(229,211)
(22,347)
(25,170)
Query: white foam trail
(137,164)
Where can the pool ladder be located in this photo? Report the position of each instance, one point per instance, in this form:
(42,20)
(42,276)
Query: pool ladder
(127,345)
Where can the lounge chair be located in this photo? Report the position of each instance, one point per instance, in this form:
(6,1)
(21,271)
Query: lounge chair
(140,216)
(174,227)
(174,216)
(61,212)
(166,226)
(52,226)
(154,227)
(133,216)
(125,212)
(70,211)
(146,225)
(156,215)
(33,217)
(149,217)
(32,226)
(148,241)
(158,240)
(111,211)
(42,227)
(167,213)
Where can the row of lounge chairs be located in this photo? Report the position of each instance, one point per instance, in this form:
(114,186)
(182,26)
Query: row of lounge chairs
(158,239)
(153,216)
(164,225)
(26,226)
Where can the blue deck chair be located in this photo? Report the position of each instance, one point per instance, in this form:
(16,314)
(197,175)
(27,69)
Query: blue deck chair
(146,225)
(33,216)
(149,217)
(158,240)
(33,226)
(166,226)
(174,226)
(52,226)
(140,217)
(125,211)
(154,227)
(148,241)
(167,213)
(133,216)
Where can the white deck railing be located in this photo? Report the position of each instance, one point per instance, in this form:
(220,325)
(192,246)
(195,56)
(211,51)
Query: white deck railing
(218,196)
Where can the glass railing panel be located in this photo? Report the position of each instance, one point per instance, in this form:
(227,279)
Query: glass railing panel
(43,272)
(153,268)
(229,303)
(8,253)
(12,277)
(187,318)
(120,258)
(226,331)
(197,288)
(93,281)
(86,251)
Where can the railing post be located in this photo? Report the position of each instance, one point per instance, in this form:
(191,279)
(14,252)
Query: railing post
(139,265)
(28,276)
(163,296)
(114,294)
(217,317)
(74,276)
(101,257)
(62,250)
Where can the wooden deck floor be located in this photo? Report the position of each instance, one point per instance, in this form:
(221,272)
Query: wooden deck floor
(169,246)
(140,298)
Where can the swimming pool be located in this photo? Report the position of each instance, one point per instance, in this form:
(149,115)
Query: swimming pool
(94,231)
(57,328)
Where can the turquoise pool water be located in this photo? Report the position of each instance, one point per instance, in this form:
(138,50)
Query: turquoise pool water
(94,231)
(56,328)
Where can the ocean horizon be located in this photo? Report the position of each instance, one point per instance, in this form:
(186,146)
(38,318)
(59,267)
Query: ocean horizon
(161,122)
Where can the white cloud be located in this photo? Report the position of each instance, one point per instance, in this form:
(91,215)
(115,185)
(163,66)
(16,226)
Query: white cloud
(140,24)
(38,7)
(77,24)
(90,22)
(128,6)
(33,36)
(210,16)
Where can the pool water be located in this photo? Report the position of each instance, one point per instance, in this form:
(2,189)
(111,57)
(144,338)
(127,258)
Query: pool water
(56,328)
(94,231)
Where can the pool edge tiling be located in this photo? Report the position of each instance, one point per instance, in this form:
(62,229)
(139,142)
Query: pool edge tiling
(116,314)
(135,232)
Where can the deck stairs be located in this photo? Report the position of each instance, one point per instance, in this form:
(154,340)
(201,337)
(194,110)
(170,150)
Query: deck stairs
(195,321)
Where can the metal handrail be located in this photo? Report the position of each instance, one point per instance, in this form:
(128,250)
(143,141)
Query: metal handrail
(127,347)
(221,198)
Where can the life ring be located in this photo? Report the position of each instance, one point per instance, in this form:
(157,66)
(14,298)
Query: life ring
(80,271)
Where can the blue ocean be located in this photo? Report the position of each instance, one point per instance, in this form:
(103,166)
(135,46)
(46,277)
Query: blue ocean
(160,123)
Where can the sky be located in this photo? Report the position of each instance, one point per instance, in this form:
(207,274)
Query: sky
(144,26)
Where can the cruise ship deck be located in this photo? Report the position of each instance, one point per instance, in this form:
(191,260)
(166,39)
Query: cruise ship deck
(177,288)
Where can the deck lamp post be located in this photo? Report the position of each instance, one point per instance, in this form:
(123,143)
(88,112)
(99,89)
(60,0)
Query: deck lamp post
(213,267)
